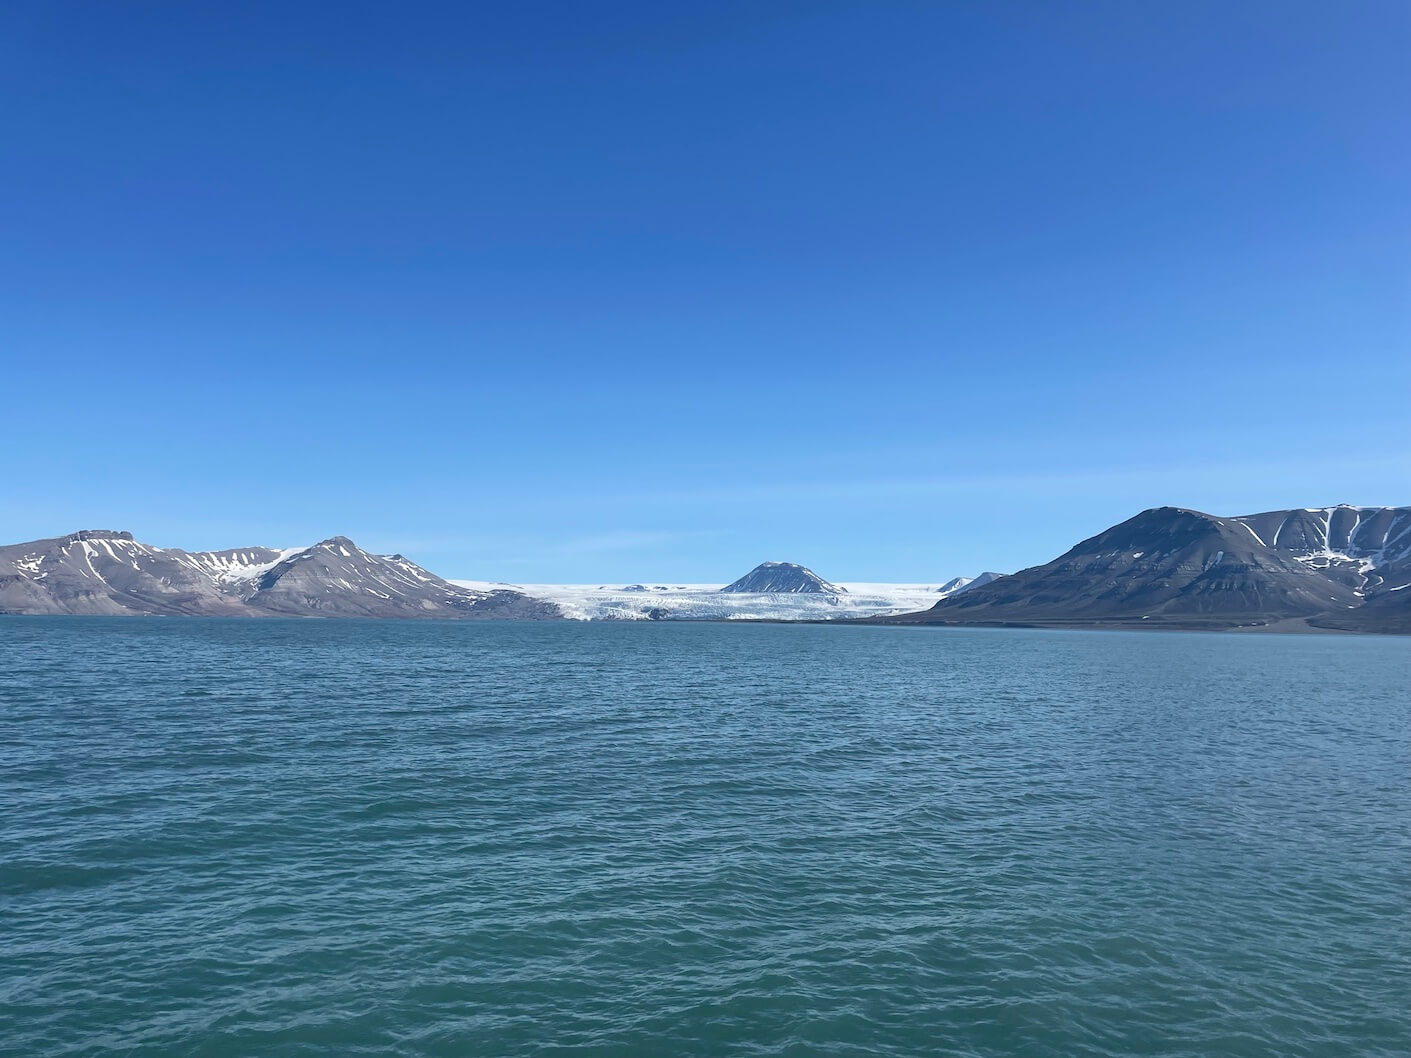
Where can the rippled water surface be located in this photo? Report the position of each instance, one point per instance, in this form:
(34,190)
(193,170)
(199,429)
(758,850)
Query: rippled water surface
(383,838)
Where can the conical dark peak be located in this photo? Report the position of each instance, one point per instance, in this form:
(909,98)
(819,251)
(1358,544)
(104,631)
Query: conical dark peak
(771,578)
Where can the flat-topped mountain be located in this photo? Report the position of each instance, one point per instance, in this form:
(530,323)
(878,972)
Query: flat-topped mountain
(1174,566)
(101,571)
(783,578)
(105,572)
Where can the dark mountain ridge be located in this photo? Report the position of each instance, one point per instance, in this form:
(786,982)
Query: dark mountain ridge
(1182,568)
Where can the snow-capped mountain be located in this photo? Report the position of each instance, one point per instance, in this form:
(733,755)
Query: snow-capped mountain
(1368,548)
(99,571)
(1171,565)
(337,578)
(241,564)
(782,578)
(956,585)
(102,571)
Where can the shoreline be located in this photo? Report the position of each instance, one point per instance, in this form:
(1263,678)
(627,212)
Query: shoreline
(1291,626)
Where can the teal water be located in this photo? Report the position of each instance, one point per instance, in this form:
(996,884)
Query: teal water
(280,838)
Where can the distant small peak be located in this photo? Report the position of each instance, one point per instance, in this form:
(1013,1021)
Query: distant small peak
(337,541)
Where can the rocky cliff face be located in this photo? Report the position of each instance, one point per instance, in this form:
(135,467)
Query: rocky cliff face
(105,572)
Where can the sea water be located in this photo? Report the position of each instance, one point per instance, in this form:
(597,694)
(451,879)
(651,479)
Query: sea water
(271,837)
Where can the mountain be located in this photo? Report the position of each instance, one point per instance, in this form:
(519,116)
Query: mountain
(956,585)
(336,578)
(106,572)
(1177,567)
(102,571)
(783,578)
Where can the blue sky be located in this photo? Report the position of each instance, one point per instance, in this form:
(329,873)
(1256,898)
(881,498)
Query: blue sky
(620,291)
